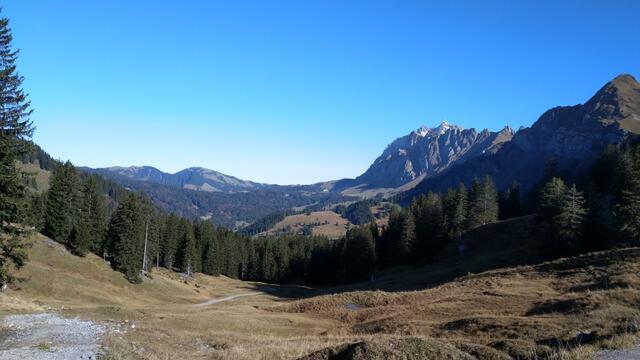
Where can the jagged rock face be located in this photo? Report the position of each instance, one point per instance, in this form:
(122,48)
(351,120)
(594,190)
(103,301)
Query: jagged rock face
(429,151)
(573,136)
(580,131)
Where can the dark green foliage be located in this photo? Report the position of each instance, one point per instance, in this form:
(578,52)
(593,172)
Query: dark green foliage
(510,205)
(186,254)
(455,208)
(551,199)
(358,255)
(429,225)
(13,252)
(359,213)
(627,198)
(570,220)
(63,200)
(126,237)
(80,240)
(483,203)
(94,214)
(407,238)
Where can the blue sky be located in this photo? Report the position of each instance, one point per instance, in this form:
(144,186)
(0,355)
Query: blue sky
(301,91)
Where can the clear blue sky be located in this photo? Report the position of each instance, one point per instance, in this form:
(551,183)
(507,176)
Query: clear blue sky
(301,91)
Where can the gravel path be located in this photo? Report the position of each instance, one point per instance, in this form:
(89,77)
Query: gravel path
(625,354)
(48,337)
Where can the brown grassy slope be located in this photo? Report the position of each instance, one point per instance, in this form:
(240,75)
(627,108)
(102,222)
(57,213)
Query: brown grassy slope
(546,303)
(167,324)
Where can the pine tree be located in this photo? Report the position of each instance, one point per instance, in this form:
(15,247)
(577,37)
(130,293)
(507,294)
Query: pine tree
(185,257)
(359,255)
(81,237)
(15,128)
(63,203)
(126,238)
(407,239)
(510,205)
(570,218)
(551,199)
(627,201)
(483,203)
(96,214)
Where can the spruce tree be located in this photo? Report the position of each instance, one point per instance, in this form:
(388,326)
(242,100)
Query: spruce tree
(570,219)
(186,254)
(96,214)
(359,255)
(483,203)
(15,128)
(627,201)
(81,237)
(551,199)
(63,203)
(126,238)
(407,239)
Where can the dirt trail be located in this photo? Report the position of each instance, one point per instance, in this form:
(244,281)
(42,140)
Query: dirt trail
(48,337)
(232,297)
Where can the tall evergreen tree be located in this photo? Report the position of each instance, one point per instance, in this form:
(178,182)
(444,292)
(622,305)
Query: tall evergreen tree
(126,238)
(63,203)
(551,199)
(186,254)
(407,239)
(81,237)
(95,211)
(627,200)
(483,203)
(15,128)
(510,202)
(359,255)
(570,219)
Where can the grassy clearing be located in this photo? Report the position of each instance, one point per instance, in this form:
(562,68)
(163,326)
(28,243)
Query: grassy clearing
(325,223)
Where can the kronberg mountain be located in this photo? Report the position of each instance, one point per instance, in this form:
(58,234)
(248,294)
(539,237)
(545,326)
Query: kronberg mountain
(570,137)
(194,178)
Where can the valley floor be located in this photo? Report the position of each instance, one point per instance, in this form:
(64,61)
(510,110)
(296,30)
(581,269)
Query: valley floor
(532,312)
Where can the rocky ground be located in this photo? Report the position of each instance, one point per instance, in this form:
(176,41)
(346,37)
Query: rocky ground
(49,337)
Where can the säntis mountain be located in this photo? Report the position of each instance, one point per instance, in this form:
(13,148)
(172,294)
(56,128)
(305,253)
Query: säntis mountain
(426,152)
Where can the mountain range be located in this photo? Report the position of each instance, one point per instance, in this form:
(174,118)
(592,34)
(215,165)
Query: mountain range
(194,178)
(427,159)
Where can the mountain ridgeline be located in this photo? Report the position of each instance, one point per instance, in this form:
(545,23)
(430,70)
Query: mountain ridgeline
(194,178)
(427,152)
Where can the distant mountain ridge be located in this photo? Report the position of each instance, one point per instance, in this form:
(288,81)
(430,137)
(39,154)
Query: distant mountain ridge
(194,178)
(426,152)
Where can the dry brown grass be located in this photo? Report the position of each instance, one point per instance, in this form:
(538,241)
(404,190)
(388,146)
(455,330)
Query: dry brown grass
(527,312)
